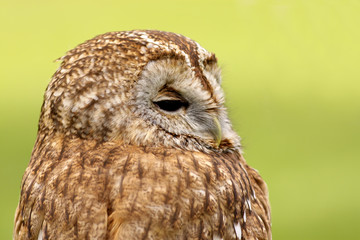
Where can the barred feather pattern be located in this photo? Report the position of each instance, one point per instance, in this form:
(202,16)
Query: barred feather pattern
(109,163)
(112,191)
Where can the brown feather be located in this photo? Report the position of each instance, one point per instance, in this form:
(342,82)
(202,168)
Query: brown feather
(103,169)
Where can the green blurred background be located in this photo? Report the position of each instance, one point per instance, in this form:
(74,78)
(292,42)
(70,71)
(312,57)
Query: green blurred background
(290,72)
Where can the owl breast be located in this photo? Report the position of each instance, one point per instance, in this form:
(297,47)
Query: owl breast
(148,193)
(185,195)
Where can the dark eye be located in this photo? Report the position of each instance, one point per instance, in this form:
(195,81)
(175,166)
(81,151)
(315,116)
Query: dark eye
(171,105)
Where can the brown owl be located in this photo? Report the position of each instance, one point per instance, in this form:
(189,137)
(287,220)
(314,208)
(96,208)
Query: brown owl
(134,142)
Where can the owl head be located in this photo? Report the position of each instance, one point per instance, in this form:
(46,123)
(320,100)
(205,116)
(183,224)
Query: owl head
(145,88)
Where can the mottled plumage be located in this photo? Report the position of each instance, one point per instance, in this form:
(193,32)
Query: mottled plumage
(134,142)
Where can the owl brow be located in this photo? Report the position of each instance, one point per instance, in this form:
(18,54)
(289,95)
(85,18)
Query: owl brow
(171,92)
(189,48)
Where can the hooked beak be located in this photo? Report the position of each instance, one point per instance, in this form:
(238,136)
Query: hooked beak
(216,132)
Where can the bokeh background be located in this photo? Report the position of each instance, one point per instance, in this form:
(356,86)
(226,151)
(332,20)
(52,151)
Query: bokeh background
(290,72)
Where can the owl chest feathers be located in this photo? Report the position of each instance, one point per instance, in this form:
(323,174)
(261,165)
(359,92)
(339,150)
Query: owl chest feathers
(112,191)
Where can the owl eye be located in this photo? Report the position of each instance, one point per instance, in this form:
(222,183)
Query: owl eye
(171,105)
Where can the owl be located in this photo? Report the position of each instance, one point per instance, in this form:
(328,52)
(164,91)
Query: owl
(134,142)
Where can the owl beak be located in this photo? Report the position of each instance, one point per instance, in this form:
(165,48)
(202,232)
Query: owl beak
(216,132)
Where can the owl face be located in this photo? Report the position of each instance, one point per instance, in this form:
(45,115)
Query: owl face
(170,100)
(147,88)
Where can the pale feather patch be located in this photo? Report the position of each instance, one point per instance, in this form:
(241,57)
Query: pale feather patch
(58,92)
(217,237)
(40,236)
(254,195)
(237,228)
